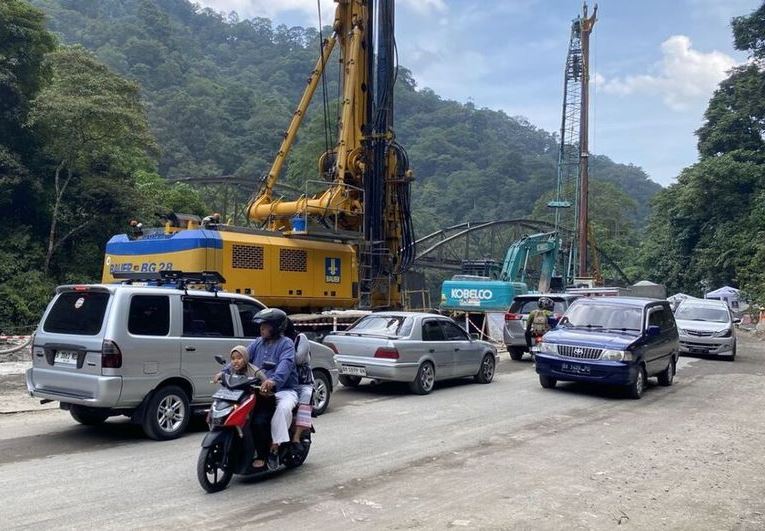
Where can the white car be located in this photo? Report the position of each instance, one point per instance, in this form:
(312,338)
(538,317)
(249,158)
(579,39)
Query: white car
(706,327)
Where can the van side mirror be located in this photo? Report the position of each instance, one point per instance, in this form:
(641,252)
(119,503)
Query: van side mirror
(475,336)
(220,359)
(653,331)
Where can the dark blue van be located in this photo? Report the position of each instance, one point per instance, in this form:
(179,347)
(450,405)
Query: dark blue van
(611,340)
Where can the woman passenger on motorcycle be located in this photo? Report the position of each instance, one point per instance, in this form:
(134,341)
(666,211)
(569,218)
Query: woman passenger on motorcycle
(305,381)
(275,355)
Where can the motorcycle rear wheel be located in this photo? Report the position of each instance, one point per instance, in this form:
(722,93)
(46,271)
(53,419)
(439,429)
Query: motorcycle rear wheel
(211,476)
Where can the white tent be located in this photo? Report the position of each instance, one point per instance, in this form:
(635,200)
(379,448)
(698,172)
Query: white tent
(727,294)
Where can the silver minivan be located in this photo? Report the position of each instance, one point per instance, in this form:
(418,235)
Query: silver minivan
(706,327)
(146,352)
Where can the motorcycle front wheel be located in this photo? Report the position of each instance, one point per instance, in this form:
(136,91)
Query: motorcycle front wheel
(210,472)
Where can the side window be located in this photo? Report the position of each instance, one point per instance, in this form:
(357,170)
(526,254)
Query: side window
(207,317)
(149,315)
(668,318)
(656,317)
(247,311)
(432,331)
(453,332)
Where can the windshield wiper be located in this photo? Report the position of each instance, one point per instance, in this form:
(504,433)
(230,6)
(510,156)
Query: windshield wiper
(623,329)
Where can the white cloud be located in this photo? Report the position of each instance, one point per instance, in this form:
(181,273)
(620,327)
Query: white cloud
(682,78)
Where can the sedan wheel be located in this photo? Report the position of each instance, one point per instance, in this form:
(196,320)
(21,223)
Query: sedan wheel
(425,380)
(486,370)
(321,392)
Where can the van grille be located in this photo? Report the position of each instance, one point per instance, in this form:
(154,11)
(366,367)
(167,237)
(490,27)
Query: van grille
(293,260)
(568,351)
(700,333)
(247,257)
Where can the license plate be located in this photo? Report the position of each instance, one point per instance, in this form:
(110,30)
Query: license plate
(231,395)
(66,357)
(699,351)
(353,371)
(575,368)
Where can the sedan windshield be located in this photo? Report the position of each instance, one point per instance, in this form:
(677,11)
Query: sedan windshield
(605,316)
(700,313)
(389,325)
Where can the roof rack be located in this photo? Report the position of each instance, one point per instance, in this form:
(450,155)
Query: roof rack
(212,280)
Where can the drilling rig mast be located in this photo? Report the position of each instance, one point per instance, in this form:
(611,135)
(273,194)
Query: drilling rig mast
(573,154)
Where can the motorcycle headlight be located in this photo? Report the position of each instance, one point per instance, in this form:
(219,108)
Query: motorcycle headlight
(723,333)
(548,348)
(616,355)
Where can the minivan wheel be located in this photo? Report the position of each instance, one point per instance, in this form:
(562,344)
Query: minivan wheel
(321,392)
(167,414)
(88,416)
(667,376)
(636,388)
(516,353)
(547,382)
(425,380)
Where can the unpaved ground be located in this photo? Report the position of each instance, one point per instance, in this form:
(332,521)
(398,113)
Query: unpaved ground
(507,455)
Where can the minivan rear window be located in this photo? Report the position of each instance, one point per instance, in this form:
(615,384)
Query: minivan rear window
(525,306)
(77,313)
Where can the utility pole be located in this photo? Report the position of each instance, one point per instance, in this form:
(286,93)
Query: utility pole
(586,26)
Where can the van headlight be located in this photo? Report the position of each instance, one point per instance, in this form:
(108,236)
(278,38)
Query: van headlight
(723,333)
(616,355)
(548,348)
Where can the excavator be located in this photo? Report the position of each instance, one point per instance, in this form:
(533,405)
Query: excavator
(473,293)
(343,243)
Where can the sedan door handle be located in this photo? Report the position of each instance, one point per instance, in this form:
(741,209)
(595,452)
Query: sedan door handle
(456,350)
(189,348)
(432,350)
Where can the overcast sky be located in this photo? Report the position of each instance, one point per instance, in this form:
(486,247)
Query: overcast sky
(655,63)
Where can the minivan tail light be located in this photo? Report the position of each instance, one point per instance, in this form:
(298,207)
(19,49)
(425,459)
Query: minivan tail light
(513,316)
(386,353)
(333,347)
(111,355)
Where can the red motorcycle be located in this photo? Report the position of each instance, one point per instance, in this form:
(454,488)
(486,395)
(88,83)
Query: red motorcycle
(240,424)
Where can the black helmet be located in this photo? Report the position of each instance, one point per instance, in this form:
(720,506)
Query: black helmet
(273,316)
(546,303)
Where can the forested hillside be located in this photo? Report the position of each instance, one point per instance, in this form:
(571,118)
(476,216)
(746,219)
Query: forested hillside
(103,101)
(221,90)
(708,229)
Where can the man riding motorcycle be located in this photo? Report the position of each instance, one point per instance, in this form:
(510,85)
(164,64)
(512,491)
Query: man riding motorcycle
(538,322)
(274,354)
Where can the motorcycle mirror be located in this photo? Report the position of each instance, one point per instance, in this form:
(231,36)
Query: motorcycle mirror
(220,359)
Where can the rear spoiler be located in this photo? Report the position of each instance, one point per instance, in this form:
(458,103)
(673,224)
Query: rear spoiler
(361,334)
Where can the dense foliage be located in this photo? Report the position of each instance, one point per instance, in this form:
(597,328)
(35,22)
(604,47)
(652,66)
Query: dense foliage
(221,90)
(75,147)
(708,229)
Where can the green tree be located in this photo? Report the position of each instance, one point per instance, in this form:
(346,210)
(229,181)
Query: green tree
(706,230)
(91,119)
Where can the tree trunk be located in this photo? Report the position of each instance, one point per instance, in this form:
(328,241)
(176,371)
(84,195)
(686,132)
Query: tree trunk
(60,189)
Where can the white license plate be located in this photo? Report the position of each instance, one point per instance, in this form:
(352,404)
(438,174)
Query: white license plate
(353,371)
(66,357)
